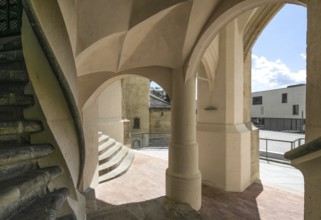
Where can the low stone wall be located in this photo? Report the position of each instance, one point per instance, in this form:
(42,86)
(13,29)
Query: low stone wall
(150,140)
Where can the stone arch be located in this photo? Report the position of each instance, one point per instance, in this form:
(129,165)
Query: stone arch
(226,12)
(93,82)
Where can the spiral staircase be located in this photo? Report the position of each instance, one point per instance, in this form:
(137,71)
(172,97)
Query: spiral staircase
(24,192)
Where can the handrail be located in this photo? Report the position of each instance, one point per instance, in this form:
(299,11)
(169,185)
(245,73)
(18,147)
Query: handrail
(58,72)
(293,145)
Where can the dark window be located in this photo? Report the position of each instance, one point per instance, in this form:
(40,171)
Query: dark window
(136,123)
(258,100)
(295,109)
(284,98)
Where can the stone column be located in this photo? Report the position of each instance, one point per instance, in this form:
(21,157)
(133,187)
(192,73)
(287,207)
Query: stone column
(309,164)
(247,112)
(224,140)
(313,93)
(183,178)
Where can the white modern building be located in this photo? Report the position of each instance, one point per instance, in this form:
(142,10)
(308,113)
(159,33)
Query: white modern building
(280,109)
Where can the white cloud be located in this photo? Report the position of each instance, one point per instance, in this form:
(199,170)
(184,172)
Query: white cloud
(304,56)
(268,74)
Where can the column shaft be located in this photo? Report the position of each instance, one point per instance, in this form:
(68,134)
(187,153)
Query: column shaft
(313,93)
(183,178)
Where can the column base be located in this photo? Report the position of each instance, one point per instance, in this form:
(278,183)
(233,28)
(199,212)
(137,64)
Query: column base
(225,156)
(186,189)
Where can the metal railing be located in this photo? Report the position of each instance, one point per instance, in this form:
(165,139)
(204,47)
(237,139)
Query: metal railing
(274,149)
(141,140)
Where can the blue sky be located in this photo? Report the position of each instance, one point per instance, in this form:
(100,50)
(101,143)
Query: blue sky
(279,54)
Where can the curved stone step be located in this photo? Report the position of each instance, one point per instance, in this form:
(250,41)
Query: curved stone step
(11,56)
(67,217)
(9,155)
(20,190)
(16,100)
(45,207)
(18,127)
(12,43)
(13,67)
(9,170)
(102,148)
(18,75)
(121,169)
(110,153)
(102,139)
(114,162)
(23,186)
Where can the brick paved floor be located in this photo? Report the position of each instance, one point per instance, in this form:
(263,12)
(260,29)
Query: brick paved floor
(146,180)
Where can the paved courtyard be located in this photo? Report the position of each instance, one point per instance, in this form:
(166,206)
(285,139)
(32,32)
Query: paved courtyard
(278,196)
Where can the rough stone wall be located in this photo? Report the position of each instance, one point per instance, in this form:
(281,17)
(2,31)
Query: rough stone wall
(136,102)
(160,120)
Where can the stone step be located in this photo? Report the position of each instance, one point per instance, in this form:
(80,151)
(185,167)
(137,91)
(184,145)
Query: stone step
(20,190)
(102,139)
(16,100)
(11,43)
(11,113)
(105,146)
(18,127)
(9,155)
(110,153)
(45,207)
(12,67)
(11,56)
(14,139)
(114,162)
(12,169)
(113,214)
(100,133)
(121,169)
(159,208)
(17,75)
(68,217)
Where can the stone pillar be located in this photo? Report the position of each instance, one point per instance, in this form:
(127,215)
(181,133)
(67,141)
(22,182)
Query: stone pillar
(307,158)
(309,164)
(183,178)
(313,93)
(224,139)
(247,113)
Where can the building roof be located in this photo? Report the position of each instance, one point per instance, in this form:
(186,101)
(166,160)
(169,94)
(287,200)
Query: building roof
(156,102)
(279,89)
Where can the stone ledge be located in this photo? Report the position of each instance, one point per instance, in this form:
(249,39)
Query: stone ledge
(305,149)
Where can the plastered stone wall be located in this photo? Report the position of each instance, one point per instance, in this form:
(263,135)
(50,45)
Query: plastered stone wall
(90,124)
(110,120)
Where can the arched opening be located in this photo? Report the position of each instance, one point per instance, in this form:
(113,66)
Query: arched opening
(224,106)
(279,95)
(128,112)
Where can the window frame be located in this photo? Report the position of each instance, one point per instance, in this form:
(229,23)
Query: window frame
(295,109)
(284,98)
(257,100)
